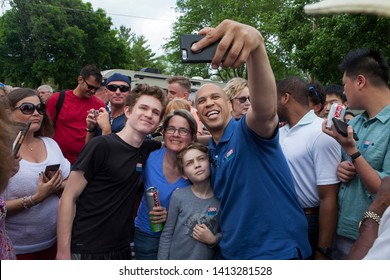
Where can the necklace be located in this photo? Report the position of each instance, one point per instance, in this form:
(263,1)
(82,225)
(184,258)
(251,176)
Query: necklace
(28,147)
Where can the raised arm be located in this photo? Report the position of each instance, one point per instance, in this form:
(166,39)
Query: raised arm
(245,44)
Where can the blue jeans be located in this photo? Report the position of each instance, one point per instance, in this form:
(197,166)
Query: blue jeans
(145,245)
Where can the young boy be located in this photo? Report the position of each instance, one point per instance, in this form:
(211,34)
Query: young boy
(191,230)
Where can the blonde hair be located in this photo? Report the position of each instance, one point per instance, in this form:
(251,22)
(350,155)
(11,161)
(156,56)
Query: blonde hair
(175,104)
(234,87)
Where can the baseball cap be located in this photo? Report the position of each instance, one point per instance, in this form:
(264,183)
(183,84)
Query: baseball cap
(375,7)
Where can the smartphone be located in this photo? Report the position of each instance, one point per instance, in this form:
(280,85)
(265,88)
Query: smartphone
(50,170)
(20,138)
(203,56)
(341,128)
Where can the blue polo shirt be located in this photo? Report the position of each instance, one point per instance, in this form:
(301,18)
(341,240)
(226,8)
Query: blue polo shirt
(374,145)
(260,214)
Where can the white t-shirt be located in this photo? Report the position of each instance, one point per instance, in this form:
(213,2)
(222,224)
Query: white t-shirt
(312,156)
(34,229)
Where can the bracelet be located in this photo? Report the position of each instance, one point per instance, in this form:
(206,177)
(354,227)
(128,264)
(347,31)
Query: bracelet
(32,201)
(24,202)
(370,215)
(91,130)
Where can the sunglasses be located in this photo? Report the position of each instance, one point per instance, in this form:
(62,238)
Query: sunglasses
(243,99)
(29,108)
(122,88)
(91,87)
(313,90)
(182,131)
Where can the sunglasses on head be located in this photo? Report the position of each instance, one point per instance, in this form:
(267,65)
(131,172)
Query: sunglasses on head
(122,88)
(29,108)
(90,87)
(243,99)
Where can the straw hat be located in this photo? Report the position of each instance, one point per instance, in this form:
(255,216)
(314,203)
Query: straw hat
(376,7)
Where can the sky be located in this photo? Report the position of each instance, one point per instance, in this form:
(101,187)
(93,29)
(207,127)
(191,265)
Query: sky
(150,18)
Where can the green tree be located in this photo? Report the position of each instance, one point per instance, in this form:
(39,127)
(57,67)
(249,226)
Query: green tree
(195,14)
(55,39)
(297,44)
(316,45)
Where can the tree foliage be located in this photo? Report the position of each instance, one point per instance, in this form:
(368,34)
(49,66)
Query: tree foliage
(317,45)
(54,39)
(297,44)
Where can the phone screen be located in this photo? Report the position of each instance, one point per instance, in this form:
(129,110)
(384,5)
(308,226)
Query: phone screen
(51,169)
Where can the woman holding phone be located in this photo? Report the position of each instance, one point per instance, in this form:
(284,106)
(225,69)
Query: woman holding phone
(31,197)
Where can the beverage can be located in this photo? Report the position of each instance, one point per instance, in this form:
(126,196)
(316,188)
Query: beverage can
(336,111)
(153,200)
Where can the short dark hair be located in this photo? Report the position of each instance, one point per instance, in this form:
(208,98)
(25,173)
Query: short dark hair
(186,115)
(180,155)
(145,89)
(296,87)
(366,62)
(337,90)
(91,70)
(18,94)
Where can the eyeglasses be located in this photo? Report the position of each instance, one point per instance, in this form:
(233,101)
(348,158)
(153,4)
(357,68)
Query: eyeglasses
(90,87)
(122,88)
(182,131)
(243,99)
(29,108)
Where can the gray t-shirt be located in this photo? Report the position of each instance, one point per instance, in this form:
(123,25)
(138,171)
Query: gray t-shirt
(186,211)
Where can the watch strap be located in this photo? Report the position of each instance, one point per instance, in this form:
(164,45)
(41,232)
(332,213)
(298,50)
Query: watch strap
(355,156)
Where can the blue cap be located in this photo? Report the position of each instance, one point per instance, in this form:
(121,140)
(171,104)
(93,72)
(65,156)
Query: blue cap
(118,77)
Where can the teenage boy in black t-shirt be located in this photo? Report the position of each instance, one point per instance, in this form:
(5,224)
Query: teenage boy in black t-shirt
(103,184)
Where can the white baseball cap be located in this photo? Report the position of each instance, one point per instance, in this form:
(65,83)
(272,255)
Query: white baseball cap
(376,7)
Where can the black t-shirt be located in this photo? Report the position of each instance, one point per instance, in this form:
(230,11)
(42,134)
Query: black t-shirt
(103,220)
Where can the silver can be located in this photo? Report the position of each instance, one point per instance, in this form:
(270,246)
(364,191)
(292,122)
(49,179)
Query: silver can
(153,200)
(336,111)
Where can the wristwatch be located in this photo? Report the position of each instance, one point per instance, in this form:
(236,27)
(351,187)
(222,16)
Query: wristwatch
(91,130)
(355,156)
(327,252)
(370,215)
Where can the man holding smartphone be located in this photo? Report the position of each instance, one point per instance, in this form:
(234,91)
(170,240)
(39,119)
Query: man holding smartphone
(366,161)
(260,214)
(112,118)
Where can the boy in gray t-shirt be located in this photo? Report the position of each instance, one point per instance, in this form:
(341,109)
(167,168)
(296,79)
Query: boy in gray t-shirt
(192,227)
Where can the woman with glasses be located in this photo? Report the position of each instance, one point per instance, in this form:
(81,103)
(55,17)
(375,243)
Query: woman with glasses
(238,93)
(161,172)
(31,197)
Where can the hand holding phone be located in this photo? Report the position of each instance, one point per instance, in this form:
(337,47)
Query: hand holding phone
(51,169)
(20,138)
(341,128)
(203,56)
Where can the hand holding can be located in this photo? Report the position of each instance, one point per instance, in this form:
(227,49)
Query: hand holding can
(153,200)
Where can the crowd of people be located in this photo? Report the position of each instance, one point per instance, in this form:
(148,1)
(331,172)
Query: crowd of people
(275,182)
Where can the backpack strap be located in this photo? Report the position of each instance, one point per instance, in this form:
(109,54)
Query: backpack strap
(59,104)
